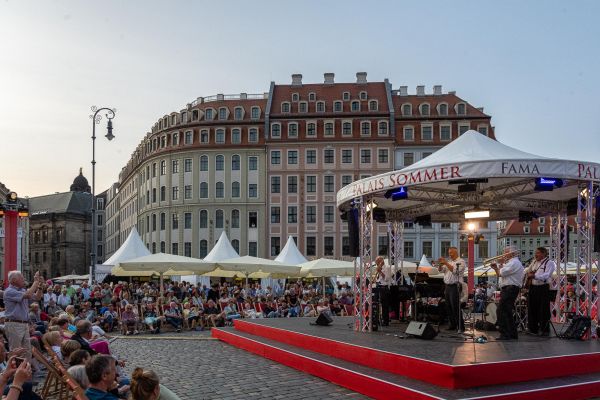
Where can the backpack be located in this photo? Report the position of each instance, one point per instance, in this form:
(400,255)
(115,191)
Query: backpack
(579,329)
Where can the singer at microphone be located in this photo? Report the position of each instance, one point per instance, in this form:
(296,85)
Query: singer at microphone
(453,270)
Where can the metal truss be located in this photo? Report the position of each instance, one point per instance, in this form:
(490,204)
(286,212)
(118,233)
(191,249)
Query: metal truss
(584,275)
(364,321)
(558,252)
(395,230)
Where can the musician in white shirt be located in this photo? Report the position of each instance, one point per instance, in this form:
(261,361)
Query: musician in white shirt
(383,277)
(538,301)
(453,270)
(510,275)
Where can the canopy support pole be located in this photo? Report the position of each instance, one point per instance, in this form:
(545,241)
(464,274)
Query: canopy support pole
(558,253)
(395,257)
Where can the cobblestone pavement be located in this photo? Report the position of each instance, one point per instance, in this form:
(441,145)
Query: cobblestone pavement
(196,367)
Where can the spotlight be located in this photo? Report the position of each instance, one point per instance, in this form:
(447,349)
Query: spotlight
(547,184)
(477,213)
(397,193)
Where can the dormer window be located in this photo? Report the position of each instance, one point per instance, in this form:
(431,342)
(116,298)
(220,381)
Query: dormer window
(461,108)
(346,96)
(355,105)
(363,95)
(293,129)
(195,115)
(285,107)
(425,109)
(312,96)
(173,120)
(373,106)
(223,113)
(303,107)
(295,97)
(255,113)
(406,110)
(320,106)
(238,113)
(443,109)
(184,117)
(208,114)
(337,106)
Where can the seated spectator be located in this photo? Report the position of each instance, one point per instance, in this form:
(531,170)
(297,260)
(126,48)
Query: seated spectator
(129,320)
(335,308)
(152,319)
(309,311)
(270,310)
(102,374)
(250,312)
(35,317)
(52,308)
(79,357)
(65,328)
(173,316)
(192,315)
(145,386)
(78,373)
(231,311)
(84,335)
(109,318)
(213,315)
(68,347)
(64,299)
(322,305)
(53,340)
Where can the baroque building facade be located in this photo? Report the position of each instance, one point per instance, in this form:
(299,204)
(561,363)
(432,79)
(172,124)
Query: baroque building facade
(267,166)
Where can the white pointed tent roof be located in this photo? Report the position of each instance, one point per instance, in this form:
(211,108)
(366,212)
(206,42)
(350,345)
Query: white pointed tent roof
(424,262)
(223,250)
(133,247)
(505,179)
(290,253)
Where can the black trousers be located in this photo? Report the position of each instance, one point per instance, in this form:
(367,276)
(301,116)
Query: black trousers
(384,300)
(538,309)
(452,297)
(506,311)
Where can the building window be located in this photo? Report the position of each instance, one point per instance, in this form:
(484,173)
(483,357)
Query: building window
(174,221)
(526,229)
(275,215)
(345,246)
(219,219)
(382,245)
(295,97)
(337,106)
(443,109)
(292,214)
(163,247)
(428,249)
(236,136)
(293,129)
(424,109)
(203,219)
(203,190)
(238,113)
(153,222)
(175,193)
(444,247)
(220,136)
(320,106)
(252,163)
(275,130)
(311,156)
(275,246)
(383,156)
(311,246)
(483,130)
(235,162)
(328,156)
(541,229)
(204,163)
(275,184)
(163,167)
(187,249)
(409,134)
(329,129)
(187,192)
(461,109)
(154,248)
(445,133)
(154,195)
(328,246)
(311,214)
(175,139)
(187,220)
(235,219)
(252,135)
(311,129)
(203,248)
(328,214)
(163,221)
(409,158)
(255,113)
(275,157)
(382,128)
(175,166)
(235,189)
(328,183)
(208,114)
(347,128)
(427,132)
(253,249)
(187,165)
(365,128)
(462,129)
(292,184)
(365,156)
(303,107)
(252,219)
(483,249)
(311,184)
(219,190)
(355,106)
(409,249)
(346,96)
(292,156)
(373,106)
(346,180)
(346,156)
(195,115)
(253,190)
(222,113)
(406,110)
(204,137)
(219,163)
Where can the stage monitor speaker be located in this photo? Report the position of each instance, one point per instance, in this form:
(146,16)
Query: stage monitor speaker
(353,232)
(422,330)
(324,319)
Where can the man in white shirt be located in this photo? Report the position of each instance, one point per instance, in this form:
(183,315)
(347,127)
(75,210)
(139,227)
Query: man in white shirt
(453,270)
(64,299)
(510,279)
(383,276)
(538,303)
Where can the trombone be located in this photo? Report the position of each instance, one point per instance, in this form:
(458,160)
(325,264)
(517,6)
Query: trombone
(489,261)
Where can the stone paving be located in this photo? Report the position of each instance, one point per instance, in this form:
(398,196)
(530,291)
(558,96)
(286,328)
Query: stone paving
(196,367)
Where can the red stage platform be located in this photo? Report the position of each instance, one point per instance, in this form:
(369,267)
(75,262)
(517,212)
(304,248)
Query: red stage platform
(385,365)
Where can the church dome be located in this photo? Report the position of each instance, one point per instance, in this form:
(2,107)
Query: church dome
(80,183)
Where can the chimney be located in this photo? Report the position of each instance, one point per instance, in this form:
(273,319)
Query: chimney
(452,92)
(361,77)
(296,79)
(243,96)
(220,96)
(420,90)
(403,90)
(328,77)
(480,109)
(437,90)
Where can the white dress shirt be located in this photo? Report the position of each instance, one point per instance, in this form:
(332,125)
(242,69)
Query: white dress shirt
(48,297)
(385,277)
(452,277)
(512,273)
(543,271)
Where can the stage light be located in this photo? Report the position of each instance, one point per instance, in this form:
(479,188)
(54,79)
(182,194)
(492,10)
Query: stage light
(547,184)
(471,226)
(396,193)
(477,213)
(371,206)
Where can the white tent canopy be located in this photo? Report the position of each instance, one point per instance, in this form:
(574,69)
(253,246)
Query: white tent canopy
(327,267)
(290,253)
(132,247)
(223,250)
(249,265)
(161,263)
(505,179)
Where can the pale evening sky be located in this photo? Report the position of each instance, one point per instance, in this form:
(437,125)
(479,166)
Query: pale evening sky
(533,65)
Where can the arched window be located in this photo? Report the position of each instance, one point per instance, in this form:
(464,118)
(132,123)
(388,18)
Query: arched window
(235,218)
(383,128)
(373,106)
(203,190)
(236,245)
(219,190)
(235,162)
(154,248)
(220,163)
(355,105)
(424,109)
(203,248)
(235,189)
(219,219)
(236,136)
(365,128)
(443,109)
(203,219)
(163,167)
(204,163)
(163,247)
(406,109)
(220,135)
(153,222)
(461,109)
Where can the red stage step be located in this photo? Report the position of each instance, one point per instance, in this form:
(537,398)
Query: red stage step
(384,385)
(436,373)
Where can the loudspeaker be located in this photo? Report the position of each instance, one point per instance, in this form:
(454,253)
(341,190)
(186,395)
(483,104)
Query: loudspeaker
(422,330)
(324,319)
(353,232)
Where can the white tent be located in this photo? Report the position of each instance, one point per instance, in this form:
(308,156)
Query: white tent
(426,267)
(223,250)
(327,267)
(290,253)
(132,247)
(249,264)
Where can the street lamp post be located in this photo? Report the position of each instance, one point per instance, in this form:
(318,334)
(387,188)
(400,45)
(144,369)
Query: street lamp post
(96,118)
